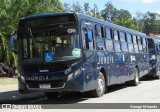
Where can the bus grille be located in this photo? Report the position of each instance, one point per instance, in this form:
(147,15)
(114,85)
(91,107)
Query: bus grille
(54,84)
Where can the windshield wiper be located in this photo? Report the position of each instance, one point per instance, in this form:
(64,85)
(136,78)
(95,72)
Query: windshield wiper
(29,31)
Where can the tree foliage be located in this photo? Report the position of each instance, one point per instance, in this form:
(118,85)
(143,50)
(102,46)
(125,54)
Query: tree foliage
(11,11)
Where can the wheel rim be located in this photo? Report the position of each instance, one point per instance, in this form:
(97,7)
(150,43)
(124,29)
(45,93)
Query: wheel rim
(136,77)
(100,85)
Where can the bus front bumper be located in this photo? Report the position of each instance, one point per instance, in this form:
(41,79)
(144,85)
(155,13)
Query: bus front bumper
(74,85)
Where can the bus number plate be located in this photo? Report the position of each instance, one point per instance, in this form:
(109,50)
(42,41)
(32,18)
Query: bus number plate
(44,86)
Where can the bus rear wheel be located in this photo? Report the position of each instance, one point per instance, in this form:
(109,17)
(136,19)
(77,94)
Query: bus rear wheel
(158,76)
(100,90)
(135,82)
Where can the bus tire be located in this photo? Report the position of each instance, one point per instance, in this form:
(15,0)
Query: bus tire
(135,82)
(51,94)
(100,90)
(158,76)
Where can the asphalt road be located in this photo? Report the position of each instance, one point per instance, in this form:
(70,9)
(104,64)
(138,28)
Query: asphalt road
(148,91)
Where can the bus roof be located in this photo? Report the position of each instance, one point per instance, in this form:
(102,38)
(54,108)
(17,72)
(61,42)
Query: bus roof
(80,16)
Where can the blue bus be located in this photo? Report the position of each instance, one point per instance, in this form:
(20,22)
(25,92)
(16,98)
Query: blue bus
(154,57)
(59,52)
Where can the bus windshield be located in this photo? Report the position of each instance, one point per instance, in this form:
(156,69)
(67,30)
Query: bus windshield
(61,42)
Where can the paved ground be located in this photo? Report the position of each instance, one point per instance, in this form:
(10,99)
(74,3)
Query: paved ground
(148,91)
(9,93)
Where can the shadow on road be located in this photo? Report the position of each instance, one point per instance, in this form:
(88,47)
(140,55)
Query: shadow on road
(14,97)
(148,78)
(65,98)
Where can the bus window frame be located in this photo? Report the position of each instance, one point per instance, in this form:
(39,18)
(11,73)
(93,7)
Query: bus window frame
(85,48)
(102,37)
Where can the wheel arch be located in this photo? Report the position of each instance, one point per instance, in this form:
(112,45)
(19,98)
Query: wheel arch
(104,72)
(137,69)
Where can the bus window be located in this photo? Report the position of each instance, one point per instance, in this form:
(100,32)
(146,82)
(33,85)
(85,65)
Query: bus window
(134,39)
(99,31)
(100,44)
(122,37)
(124,47)
(140,49)
(144,49)
(115,35)
(130,48)
(87,38)
(117,46)
(136,48)
(144,41)
(108,33)
(129,38)
(139,40)
(109,45)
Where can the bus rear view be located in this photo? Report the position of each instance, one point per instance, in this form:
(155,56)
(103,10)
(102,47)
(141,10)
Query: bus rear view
(50,58)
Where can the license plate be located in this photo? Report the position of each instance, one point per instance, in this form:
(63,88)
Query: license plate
(45,86)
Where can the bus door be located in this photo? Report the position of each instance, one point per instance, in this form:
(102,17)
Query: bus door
(132,60)
(121,57)
(145,56)
(90,65)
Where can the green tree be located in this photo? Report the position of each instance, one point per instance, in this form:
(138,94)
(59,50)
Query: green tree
(108,12)
(11,11)
(67,7)
(87,9)
(124,18)
(76,7)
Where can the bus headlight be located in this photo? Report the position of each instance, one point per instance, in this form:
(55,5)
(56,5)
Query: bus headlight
(77,72)
(72,75)
(22,78)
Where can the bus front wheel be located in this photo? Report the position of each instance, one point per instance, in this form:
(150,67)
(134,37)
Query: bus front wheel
(100,90)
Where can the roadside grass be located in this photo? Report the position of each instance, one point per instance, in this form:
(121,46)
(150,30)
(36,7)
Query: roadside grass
(7,80)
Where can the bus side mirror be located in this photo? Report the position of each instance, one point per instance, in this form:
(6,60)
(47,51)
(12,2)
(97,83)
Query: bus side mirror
(12,42)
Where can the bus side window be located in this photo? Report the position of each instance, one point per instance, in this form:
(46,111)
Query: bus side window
(117,46)
(122,36)
(108,33)
(87,39)
(134,39)
(109,45)
(115,32)
(144,41)
(140,44)
(129,38)
(99,31)
(144,45)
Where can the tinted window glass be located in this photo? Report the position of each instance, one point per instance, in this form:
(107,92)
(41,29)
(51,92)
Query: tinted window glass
(139,40)
(140,49)
(99,31)
(134,39)
(145,49)
(129,38)
(115,35)
(108,33)
(117,46)
(87,38)
(109,45)
(100,44)
(124,47)
(130,48)
(144,41)
(122,36)
(136,48)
